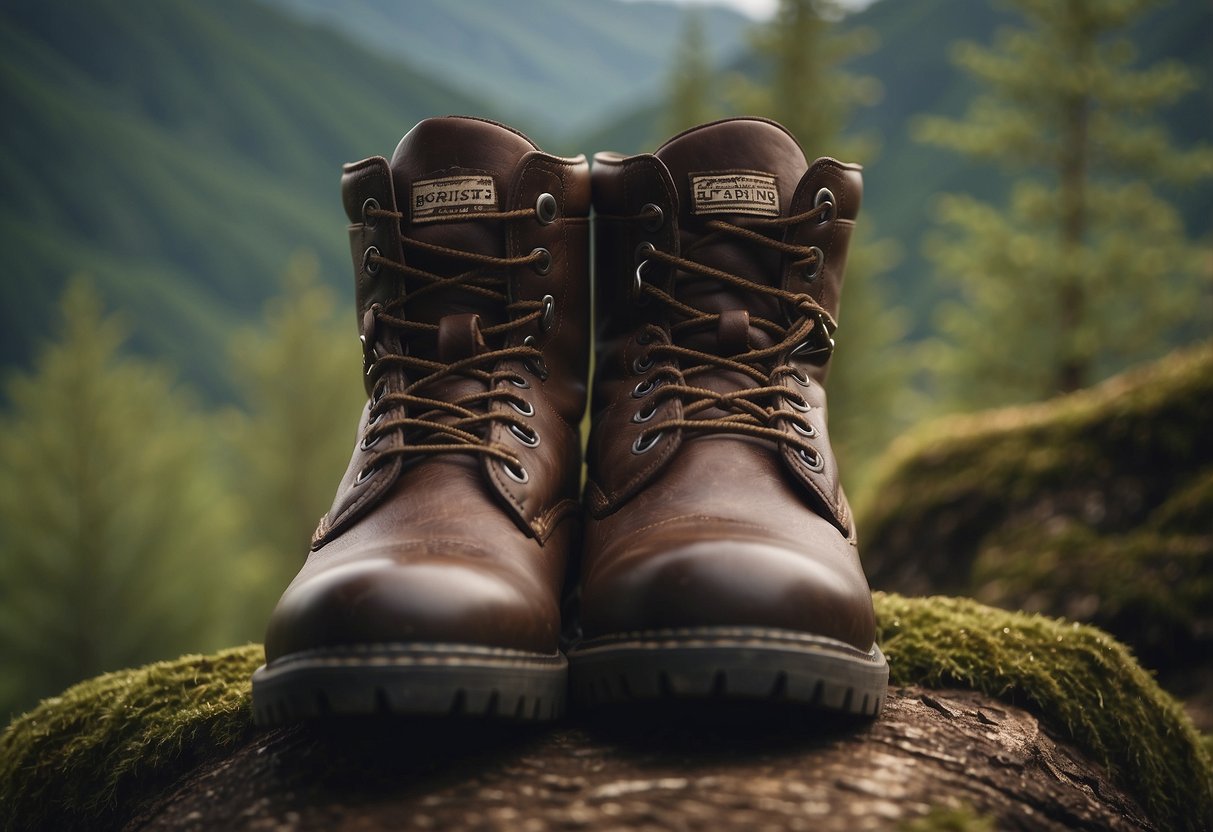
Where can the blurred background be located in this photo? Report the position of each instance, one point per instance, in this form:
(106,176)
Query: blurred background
(178,350)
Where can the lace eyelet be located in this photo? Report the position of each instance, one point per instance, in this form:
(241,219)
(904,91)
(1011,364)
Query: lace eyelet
(653,217)
(798,403)
(537,367)
(368,264)
(645,414)
(527,437)
(642,365)
(520,382)
(367,472)
(546,209)
(799,376)
(643,389)
(371,204)
(365,445)
(518,475)
(544,264)
(644,338)
(816,463)
(528,410)
(643,445)
(819,264)
(825,197)
(805,430)
(549,313)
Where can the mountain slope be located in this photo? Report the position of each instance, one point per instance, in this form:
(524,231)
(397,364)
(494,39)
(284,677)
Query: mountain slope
(181,153)
(555,65)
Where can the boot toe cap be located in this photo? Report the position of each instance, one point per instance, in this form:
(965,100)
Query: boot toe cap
(731,583)
(381,601)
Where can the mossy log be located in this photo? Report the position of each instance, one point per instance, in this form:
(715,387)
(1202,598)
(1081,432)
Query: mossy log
(995,720)
(1096,506)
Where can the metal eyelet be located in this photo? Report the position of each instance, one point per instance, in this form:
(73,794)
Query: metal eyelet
(799,376)
(645,414)
(642,365)
(546,209)
(643,389)
(527,437)
(538,368)
(529,410)
(368,265)
(825,197)
(653,217)
(816,463)
(366,473)
(798,403)
(644,338)
(365,445)
(819,264)
(371,204)
(544,264)
(520,475)
(641,445)
(549,313)
(638,283)
(520,382)
(804,430)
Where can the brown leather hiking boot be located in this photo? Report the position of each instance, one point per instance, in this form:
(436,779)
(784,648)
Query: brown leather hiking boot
(434,580)
(720,555)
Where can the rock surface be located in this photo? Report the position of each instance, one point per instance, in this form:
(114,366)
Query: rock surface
(698,768)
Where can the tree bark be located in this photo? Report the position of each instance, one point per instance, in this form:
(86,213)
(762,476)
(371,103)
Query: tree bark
(700,767)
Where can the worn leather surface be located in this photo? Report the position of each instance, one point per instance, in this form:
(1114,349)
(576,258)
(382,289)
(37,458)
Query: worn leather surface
(708,529)
(448,548)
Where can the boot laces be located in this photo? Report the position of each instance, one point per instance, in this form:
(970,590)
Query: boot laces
(460,424)
(750,411)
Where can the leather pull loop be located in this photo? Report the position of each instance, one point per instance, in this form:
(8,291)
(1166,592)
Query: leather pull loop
(733,332)
(459,337)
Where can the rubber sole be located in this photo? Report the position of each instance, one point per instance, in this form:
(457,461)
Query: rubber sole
(411,680)
(741,663)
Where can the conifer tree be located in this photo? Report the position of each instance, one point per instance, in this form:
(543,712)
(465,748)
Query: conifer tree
(300,384)
(690,93)
(115,532)
(813,95)
(1086,267)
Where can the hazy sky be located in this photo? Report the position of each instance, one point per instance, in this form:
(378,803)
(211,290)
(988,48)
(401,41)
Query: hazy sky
(762,9)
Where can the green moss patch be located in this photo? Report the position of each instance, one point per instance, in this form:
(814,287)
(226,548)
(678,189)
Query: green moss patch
(91,757)
(1094,506)
(1081,682)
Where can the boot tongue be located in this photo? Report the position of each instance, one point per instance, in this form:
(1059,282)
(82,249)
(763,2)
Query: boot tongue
(446,172)
(736,171)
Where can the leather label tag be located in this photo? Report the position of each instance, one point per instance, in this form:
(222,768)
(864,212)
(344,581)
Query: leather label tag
(735,192)
(453,197)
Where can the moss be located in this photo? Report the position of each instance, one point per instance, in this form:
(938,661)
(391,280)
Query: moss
(1081,682)
(1104,495)
(91,757)
(947,819)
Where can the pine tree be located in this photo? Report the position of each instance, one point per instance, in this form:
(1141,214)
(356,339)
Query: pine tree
(1086,267)
(691,99)
(811,94)
(114,528)
(299,377)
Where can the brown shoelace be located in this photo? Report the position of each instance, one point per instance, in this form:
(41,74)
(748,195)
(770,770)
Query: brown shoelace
(449,426)
(753,411)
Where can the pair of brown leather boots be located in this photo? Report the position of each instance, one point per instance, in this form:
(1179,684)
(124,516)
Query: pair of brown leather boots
(713,553)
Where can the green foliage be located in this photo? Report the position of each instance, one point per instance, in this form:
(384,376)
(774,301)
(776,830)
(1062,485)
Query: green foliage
(297,374)
(95,754)
(692,82)
(1094,506)
(113,526)
(1087,268)
(947,819)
